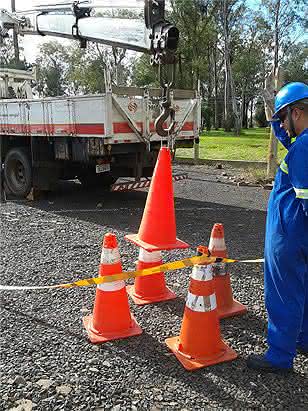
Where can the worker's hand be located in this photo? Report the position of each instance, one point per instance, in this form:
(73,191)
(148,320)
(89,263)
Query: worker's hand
(280,133)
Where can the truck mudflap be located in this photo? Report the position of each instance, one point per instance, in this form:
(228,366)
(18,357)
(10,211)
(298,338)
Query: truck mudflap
(131,184)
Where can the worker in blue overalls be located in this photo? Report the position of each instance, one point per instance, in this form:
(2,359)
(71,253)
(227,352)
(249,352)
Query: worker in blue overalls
(286,239)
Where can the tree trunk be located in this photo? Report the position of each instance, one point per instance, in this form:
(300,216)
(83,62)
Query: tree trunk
(215,87)
(273,142)
(230,100)
(242,118)
(246,114)
(251,109)
(227,104)
(210,81)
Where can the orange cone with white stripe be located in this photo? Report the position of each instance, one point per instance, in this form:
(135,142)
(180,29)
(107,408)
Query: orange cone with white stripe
(111,319)
(226,305)
(151,288)
(199,343)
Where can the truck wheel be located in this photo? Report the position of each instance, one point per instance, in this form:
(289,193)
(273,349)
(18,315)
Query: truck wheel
(18,172)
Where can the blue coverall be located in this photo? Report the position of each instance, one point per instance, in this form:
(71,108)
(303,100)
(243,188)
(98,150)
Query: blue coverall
(286,255)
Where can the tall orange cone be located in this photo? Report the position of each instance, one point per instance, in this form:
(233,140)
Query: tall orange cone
(152,288)
(111,319)
(226,305)
(158,229)
(199,343)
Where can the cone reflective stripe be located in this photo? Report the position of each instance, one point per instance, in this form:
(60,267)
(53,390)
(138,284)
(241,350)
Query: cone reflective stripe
(110,261)
(158,228)
(114,286)
(227,306)
(199,343)
(201,303)
(217,244)
(111,317)
(152,288)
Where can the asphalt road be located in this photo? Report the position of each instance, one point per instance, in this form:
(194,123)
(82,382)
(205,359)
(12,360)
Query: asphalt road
(47,362)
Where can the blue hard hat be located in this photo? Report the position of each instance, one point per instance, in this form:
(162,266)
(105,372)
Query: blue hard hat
(289,94)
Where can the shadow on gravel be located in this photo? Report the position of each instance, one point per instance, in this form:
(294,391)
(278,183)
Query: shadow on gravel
(162,362)
(174,307)
(232,384)
(255,325)
(39,321)
(244,228)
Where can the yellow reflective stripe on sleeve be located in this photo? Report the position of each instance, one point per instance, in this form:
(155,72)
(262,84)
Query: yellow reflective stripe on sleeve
(293,139)
(284,167)
(301,193)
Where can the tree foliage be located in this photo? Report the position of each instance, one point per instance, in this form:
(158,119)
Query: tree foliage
(72,70)
(7,58)
(295,64)
(143,73)
(52,67)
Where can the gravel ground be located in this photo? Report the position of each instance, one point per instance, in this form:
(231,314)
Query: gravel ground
(47,362)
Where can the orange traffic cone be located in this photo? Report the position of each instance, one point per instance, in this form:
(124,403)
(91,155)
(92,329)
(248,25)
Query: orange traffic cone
(226,305)
(158,229)
(111,319)
(151,288)
(199,343)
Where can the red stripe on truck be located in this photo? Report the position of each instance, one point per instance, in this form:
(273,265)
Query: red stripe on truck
(81,128)
(90,129)
(124,128)
(67,129)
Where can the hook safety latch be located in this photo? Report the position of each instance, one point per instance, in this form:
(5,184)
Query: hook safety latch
(165,114)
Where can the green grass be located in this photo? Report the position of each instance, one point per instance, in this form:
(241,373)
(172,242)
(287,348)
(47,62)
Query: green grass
(252,144)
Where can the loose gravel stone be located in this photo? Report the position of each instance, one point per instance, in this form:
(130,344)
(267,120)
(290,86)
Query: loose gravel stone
(44,383)
(64,389)
(19,381)
(22,405)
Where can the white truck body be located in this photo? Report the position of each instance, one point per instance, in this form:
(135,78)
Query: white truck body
(95,138)
(116,119)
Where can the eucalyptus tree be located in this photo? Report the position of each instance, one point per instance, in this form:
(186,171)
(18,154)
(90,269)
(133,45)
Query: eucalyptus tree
(52,64)
(249,67)
(195,21)
(295,63)
(230,20)
(7,55)
(284,21)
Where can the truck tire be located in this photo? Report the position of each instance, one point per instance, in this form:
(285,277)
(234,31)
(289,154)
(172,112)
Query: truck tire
(18,172)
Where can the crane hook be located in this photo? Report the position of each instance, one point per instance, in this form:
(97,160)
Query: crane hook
(159,122)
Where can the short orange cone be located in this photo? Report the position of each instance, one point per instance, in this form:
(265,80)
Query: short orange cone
(158,229)
(151,288)
(111,319)
(199,343)
(226,305)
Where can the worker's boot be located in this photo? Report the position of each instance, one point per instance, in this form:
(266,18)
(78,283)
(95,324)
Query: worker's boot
(260,363)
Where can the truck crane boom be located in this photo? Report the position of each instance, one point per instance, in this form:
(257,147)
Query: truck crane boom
(156,35)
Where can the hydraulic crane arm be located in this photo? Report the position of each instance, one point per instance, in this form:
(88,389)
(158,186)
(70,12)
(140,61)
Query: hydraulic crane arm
(155,35)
